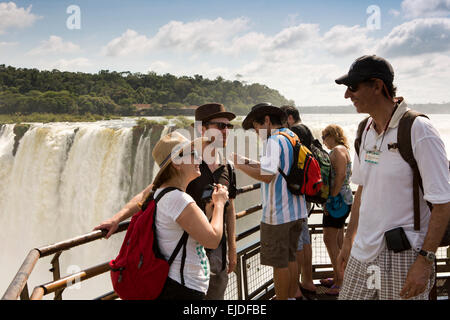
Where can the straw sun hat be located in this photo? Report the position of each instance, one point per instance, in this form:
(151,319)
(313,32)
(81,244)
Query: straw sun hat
(171,145)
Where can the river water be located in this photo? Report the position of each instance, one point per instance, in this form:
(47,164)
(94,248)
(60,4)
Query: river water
(62,179)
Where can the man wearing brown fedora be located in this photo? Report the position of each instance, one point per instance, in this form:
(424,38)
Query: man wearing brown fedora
(212,120)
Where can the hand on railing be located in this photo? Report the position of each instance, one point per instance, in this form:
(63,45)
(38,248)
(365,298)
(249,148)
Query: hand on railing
(110,225)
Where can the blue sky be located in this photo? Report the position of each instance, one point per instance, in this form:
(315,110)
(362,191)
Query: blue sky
(296,47)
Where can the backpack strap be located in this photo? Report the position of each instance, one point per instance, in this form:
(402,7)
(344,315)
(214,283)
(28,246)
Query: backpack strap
(181,243)
(362,125)
(405,149)
(293,140)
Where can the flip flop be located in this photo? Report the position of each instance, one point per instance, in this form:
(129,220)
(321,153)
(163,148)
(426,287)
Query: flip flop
(329,282)
(333,291)
(306,291)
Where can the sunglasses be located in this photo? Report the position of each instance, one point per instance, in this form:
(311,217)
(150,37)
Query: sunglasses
(355,87)
(193,153)
(221,125)
(325,136)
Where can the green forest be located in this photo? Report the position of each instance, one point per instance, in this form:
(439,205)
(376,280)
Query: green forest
(29,91)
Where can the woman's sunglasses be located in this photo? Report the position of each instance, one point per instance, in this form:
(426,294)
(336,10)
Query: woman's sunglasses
(192,153)
(325,136)
(221,125)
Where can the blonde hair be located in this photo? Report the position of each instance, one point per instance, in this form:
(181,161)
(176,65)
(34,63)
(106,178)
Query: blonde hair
(168,173)
(337,133)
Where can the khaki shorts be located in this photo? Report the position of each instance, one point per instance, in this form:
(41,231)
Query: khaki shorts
(279,243)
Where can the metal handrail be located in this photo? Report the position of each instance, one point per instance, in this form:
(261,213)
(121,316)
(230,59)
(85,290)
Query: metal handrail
(18,287)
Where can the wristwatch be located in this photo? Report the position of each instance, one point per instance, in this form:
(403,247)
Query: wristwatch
(430,256)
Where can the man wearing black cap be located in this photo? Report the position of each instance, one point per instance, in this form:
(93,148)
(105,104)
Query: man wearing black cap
(283,212)
(213,121)
(384,255)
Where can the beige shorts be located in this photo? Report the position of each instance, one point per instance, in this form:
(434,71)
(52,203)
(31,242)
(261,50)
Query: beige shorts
(279,243)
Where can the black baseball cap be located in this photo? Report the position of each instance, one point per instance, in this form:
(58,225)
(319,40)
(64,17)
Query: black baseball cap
(367,67)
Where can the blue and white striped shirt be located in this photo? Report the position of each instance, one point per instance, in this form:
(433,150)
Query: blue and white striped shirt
(279,205)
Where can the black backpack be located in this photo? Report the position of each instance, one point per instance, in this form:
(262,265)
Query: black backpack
(405,149)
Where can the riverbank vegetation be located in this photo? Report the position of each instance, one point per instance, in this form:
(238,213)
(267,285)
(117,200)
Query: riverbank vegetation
(53,117)
(28,91)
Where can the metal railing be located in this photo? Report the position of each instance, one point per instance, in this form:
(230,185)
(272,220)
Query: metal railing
(19,285)
(250,280)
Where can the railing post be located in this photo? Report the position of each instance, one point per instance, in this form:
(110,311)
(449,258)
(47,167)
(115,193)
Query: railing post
(239,277)
(24,295)
(56,274)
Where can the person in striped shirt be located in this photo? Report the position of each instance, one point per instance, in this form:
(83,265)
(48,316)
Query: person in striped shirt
(283,213)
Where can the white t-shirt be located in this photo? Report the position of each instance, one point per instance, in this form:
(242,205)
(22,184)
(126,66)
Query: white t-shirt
(387,198)
(169,232)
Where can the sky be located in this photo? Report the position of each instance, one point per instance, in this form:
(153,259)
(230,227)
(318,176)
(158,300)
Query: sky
(296,47)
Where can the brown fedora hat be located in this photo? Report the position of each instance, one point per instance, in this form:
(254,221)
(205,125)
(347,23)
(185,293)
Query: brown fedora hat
(262,109)
(212,110)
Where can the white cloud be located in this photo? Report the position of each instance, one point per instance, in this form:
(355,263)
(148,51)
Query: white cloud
(70,64)
(159,66)
(343,40)
(54,44)
(199,36)
(394,12)
(128,43)
(416,37)
(8,44)
(426,8)
(12,16)
(292,37)
(424,78)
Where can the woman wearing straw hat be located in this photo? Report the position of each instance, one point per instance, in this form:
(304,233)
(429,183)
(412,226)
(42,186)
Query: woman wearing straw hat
(177,212)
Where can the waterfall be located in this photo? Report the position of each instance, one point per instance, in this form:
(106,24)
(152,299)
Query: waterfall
(63,180)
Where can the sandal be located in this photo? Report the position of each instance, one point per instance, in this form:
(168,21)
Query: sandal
(329,282)
(333,291)
(306,291)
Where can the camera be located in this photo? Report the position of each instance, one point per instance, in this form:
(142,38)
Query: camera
(207,195)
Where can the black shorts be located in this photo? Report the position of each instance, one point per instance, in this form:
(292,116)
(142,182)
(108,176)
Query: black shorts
(330,222)
(175,291)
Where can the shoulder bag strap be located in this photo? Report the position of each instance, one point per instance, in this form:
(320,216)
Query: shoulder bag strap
(405,149)
(181,243)
(362,125)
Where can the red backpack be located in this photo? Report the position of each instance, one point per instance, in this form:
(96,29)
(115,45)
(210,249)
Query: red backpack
(304,176)
(139,272)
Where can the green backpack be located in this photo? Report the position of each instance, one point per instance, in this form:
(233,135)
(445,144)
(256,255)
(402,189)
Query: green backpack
(323,158)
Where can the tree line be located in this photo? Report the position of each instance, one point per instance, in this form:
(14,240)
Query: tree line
(29,91)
